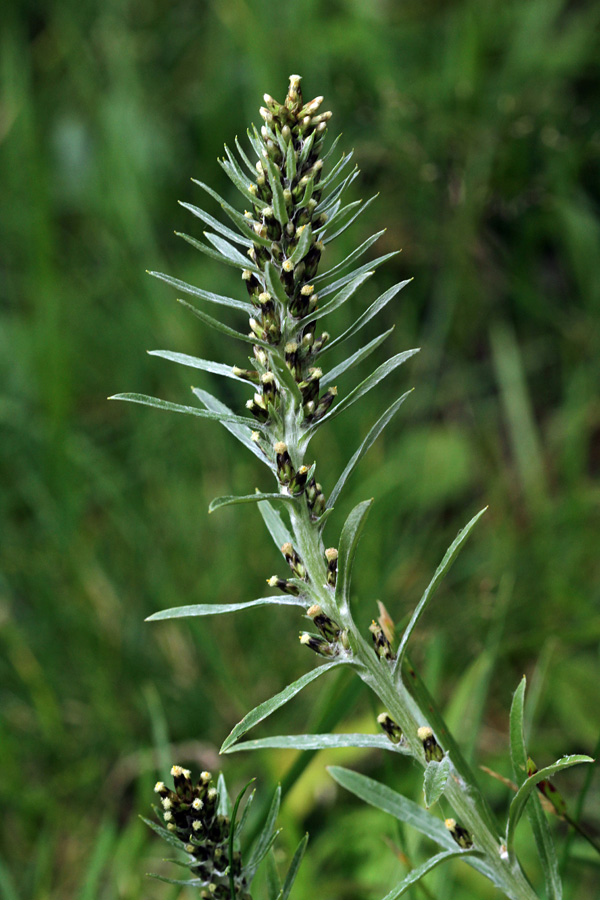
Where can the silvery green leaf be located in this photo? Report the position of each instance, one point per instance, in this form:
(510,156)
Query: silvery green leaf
(273,283)
(224,807)
(523,794)
(194,362)
(279,207)
(265,839)
(242,183)
(285,377)
(290,162)
(367,267)
(293,869)
(364,447)
(263,710)
(417,873)
(307,144)
(242,434)
(449,557)
(372,381)
(340,214)
(188,410)
(326,204)
(214,223)
(167,836)
(356,358)
(303,246)
(335,171)
(220,326)
(219,502)
(348,222)
(272,519)
(321,742)
(205,295)
(395,804)
(435,778)
(332,149)
(349,538)
(518,752)
(352,257)
(369,313)
(235,215)
(245,159)
(237,260)
(219,609)
(344,294)
(190,882)
(254,138)
(229,253)
(308,192)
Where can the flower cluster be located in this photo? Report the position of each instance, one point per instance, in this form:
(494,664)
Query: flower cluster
(190,814)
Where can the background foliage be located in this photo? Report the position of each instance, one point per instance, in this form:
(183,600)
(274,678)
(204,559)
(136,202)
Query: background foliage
(478,124)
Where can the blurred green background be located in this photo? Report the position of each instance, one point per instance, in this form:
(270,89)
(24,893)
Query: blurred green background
(478,124)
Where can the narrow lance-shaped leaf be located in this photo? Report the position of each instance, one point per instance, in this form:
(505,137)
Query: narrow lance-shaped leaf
(349,538)
(344,279)
(263,710)
(339,214)
(188,410)
(350,221)
(364,387)
(232,829)
(344,295)
(285,377)
(232,259)
(322,742)
(537,819)
(276,528)
(435,778)
(242,434)
(193,362)
(266,837)
(303,245)
(326,204)
(247,308)
(417,873)
(244,240)
(369,313)
(218,609)
(352,257)
(244,158)
(235,215)
(273,283)
(242,184)
(368,442)
(228,253)
(441,570)
(279,207)
(220,326)
(219,502)
(293,869)
(356,358)
(523,794)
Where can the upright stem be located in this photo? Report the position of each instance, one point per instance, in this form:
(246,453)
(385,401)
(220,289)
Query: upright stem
(464,796)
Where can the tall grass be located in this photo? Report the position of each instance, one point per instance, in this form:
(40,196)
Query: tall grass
(477,123)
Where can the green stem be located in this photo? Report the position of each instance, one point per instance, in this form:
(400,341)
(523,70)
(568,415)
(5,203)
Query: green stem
(461,791)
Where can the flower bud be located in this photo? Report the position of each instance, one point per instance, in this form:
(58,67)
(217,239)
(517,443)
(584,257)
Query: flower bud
(382,646)
(331,555)
(391,728)
(328,628)
(460,834)
(432,749)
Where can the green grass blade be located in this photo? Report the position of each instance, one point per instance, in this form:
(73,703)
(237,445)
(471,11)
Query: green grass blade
(368,442)
(349,538)
(450,556)
(263,710)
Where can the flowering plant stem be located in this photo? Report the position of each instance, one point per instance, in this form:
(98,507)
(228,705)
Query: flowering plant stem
(296,211)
